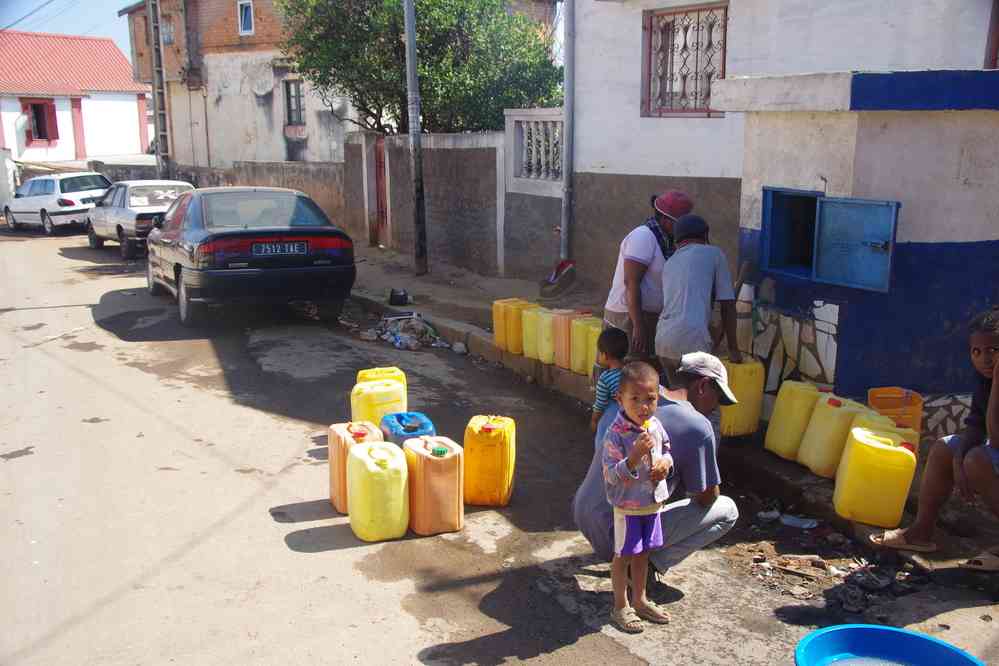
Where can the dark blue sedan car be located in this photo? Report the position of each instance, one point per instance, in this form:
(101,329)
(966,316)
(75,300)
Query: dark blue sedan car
(249,245)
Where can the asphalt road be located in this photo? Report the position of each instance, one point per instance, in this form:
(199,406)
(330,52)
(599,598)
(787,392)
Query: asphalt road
(163,499)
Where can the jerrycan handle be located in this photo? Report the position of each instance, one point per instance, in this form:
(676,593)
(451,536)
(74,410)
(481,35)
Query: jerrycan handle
(379,456)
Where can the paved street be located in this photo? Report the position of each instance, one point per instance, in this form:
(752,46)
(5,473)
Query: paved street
(163,500)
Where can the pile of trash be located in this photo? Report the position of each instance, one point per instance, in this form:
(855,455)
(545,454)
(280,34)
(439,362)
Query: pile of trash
(406,330)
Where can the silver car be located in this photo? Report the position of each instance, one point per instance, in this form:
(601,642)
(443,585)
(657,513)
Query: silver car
(129,210)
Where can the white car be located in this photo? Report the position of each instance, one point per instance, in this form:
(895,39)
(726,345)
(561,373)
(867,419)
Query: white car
(129,210)
(56,200)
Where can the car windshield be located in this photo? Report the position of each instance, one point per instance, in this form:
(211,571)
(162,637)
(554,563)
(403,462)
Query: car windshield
(84,183)
(155,195)
(262,209)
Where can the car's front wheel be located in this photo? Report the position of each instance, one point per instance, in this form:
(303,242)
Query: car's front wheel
(93,240)
(47,225)
(152,286)
(127,245)
(190,313)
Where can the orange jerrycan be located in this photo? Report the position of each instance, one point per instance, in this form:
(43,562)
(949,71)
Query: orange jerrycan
(792,412)
(563,336)
(378,492)
(580,345)
(905,407)
(374,374)
(370,401)
(500,310)
(746,381)
(341,437)
(822,444)
(490,456)
(436,485)
(874,477)
(546,336)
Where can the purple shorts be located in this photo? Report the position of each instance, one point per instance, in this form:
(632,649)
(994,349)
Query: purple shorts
(953,443)
(634,535)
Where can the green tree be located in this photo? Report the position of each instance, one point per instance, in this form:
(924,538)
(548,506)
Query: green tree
(475,59)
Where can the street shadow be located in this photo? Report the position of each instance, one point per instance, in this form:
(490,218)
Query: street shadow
(302,512)
(106,262)
(526,601)
(329,538)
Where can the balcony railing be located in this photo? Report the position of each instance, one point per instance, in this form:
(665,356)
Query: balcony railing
(534,151)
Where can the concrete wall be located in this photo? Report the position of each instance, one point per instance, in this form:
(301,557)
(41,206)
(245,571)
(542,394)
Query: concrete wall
(322,181)
(7,180)
(460,184)
(246,115)
(353,191)
(764,37)
(531,239)
(110,124)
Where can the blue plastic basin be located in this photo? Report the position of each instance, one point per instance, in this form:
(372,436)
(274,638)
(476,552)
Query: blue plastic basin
(846,642)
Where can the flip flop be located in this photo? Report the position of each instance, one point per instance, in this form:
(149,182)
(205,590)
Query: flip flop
(895,540)
(983,562)
(653,613)
(627,620)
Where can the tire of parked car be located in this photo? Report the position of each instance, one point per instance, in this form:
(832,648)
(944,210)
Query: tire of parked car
(47,225)
(127,245)
(191,314)
(11,222)
(93,240)
(152,286)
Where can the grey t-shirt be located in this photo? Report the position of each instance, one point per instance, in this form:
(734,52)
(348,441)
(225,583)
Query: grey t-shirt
(693,278)
(692,443)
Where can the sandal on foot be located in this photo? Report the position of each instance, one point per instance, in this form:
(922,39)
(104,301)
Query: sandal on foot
(627,620)
(984,562)
(895,540)
(653,613)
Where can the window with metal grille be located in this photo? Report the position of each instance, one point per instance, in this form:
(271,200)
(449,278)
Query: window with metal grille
(293,102)
(684,53)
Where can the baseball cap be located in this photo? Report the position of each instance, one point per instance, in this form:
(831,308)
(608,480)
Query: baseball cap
(689,226)
(707,365)
(673,203)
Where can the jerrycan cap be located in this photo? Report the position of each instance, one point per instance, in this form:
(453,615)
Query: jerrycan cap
(379,456)
(489,427)
(355,433)
(439,451)
(834,402)
(908,446)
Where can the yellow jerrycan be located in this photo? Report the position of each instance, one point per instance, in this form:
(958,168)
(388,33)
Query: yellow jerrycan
(374,374)
(342,436)
(370,401)
(792,411)
(490,457)
(746,381)
(529,331)
(515,326)
(874,477)
(581,335)
(822,444)
(500,310)
(378,491)
(591,352)
(436,485)
(546,336)
(878,423)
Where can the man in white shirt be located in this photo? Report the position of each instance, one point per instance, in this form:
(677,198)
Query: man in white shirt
(635,297)
(694,277)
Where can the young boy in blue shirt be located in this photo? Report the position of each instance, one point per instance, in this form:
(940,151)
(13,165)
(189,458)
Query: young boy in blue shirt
(636,462)
(612,348)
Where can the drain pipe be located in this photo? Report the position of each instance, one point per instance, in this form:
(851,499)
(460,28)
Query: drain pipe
(568,121)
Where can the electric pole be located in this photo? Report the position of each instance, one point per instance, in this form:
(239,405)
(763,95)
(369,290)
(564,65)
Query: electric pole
(415,145)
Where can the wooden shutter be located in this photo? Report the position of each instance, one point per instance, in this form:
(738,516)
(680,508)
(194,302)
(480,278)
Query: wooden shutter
(29,135)
(50,121)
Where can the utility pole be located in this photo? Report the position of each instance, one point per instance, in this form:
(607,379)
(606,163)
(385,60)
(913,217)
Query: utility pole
(160,120)
(415,145)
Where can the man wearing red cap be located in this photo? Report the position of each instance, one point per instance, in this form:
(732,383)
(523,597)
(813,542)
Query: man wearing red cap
(636,295)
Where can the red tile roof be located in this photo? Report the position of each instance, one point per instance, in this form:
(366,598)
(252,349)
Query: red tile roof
(39,63)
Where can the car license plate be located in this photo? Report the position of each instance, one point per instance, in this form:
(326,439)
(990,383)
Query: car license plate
(268,249)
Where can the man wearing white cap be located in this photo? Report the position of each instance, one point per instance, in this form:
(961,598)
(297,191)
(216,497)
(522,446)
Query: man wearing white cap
(703,515)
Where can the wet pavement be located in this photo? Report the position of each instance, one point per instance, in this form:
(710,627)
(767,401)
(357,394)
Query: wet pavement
(164,499)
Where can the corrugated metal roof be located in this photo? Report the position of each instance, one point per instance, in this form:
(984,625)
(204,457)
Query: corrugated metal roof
(39,63)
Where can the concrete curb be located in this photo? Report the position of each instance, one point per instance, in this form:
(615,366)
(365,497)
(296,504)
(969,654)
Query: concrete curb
(743,459)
